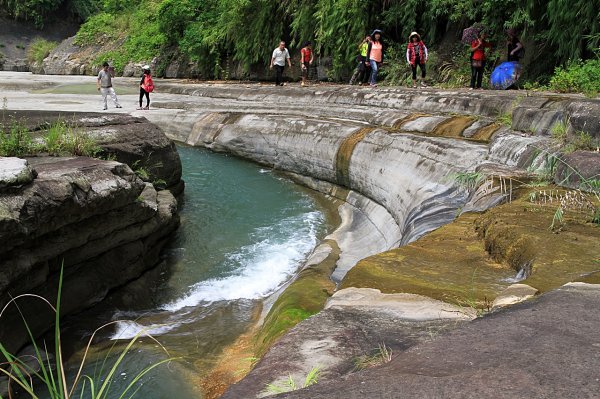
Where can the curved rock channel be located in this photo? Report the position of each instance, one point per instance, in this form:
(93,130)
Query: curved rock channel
(393,158)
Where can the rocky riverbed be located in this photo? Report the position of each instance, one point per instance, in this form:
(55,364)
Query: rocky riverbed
(411,231)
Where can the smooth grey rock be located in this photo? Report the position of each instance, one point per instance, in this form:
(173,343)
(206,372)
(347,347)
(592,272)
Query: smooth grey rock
(543,348)
(410,307)
(513,294)
(15,172)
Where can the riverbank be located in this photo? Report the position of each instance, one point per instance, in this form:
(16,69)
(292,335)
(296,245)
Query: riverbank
(398,157)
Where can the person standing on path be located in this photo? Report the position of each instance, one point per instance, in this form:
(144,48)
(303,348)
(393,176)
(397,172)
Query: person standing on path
(306,59)
(416,55)
(375,51)
(280,55)
(478,47)
(515,48)
(104,86)
(146,87)
(362,72)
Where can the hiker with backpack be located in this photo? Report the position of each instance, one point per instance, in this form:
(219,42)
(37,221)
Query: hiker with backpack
(146,87)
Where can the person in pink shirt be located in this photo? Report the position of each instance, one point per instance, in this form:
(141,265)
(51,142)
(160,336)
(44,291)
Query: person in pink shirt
(416,55)
(375,55)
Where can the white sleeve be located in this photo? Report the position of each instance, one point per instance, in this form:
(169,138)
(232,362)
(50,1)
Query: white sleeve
(408,55)
(425,49)
(287,53)
(274,54)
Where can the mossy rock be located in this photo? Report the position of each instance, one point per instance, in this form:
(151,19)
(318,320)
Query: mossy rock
(471,260)
(304,297)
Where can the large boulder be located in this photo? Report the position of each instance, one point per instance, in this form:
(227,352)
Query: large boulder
(94,218)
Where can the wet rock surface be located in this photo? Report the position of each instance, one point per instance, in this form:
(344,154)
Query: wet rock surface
(354,326)
(547,347)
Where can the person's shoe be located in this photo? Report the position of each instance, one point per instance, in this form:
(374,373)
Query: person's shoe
(118,106)
(139,108)
(423,84)
(302,84)
(373,85)
(105,108)
(146,108)
(280,84)
(414,85)
(471,88)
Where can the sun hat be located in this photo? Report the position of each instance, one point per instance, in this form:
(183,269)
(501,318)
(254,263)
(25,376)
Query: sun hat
(413,34)
(146,67)
(376,31)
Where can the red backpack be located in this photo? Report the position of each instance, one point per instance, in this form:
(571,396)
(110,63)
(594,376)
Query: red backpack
(148,84)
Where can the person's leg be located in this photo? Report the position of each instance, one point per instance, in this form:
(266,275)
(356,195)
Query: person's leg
(423,73)
(374,69)
(366,73)
(147,99)
(357,74)
(480,75)
(104,92)
(474,72)
(279,77)
(142,91)
(414,74)
(113,95)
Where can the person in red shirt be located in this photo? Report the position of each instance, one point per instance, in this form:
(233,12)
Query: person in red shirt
(306,60)
(478,47)
(417,55)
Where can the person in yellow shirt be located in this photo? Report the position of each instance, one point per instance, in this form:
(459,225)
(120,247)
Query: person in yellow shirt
(362,71)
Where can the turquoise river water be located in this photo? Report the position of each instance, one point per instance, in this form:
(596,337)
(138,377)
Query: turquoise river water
(244,232)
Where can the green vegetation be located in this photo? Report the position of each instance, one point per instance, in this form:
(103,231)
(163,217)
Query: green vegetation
(381,355)
(214,32)
(29,376)
(569,141)
(579,76)
(40,49)
(60,139)
(290,385)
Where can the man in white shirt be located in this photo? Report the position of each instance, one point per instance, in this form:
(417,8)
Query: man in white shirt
(104,85)
(280,55)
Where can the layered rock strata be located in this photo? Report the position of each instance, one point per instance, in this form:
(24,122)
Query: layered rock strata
(94,219)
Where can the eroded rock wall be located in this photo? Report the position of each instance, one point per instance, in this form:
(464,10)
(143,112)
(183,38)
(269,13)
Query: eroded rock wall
(95,219)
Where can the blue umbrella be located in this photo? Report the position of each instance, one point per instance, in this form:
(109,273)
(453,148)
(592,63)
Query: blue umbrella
(505,75)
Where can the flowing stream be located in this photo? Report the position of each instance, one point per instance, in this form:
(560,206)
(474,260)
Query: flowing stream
(244,233)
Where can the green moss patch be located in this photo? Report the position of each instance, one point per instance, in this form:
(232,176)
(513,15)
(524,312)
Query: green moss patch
(476,256)
(304,297)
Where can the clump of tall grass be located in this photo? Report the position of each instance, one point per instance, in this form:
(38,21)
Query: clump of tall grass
(52,378)
(60,140)
(290,385)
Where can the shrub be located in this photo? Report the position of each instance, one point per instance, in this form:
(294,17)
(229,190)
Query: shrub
(577,77)
(40,49)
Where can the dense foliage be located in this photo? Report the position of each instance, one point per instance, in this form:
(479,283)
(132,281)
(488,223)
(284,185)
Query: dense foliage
(39,11)
(210,32)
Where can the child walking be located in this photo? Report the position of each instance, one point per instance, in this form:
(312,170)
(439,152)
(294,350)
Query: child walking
(416,55)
